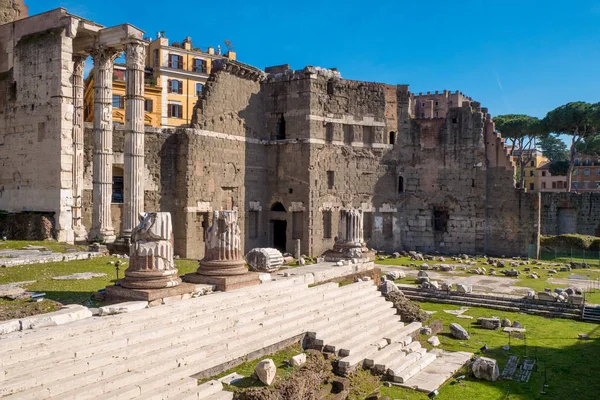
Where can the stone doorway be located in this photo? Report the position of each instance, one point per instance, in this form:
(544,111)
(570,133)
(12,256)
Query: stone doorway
(279,229)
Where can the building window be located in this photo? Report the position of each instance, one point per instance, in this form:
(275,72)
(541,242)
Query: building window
(330,87)
(199,65)
(118,101)
(598,171)
(532,173)
(253,224)
(576,162)
(531,186)
(199,88)
(455,120)
(543,173)
(117,184)
(400,184)
(368,135)
(175,110)
(392,138)
(574,185)
(148,105)
(596,185)
(329,132)
(175,61)
(280,127)
(437,103)
(175,86)
(543,185)
(435,114)
(367,225)
(327,224)
(586,172)
(532,164)
(586,161)
(297,224)
(348,135)
(330,179)
(575,172)
(440,219)
(422,115)
(422,104)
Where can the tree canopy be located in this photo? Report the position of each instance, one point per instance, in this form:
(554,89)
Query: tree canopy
(553,148)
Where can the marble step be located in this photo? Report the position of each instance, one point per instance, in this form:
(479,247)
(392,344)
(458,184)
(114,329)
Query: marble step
(412,370)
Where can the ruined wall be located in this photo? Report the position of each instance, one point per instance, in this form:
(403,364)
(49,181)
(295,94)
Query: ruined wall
(12,10)
(36,120)
(570,213)
(162,152)
(224,159)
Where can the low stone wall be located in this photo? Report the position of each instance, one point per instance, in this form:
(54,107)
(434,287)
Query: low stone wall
(27,226)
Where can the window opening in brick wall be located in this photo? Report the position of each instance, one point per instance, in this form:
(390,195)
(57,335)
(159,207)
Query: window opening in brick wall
(277,206)
(348,135)
(330,87)
(330,179)
(532,186)
(472,182)
(392,139)
(280,127)
(368,135)
(329,132)
(327,224)
(440,219)
(400,184)
(455,120)
(203,224)
(388,226)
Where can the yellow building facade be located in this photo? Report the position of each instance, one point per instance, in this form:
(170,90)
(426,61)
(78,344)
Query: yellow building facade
(181,71)
(152,96)
(531,167)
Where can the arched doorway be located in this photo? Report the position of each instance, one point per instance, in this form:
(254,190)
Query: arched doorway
(278,220)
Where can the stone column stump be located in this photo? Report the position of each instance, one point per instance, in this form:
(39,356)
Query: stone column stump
(349,243)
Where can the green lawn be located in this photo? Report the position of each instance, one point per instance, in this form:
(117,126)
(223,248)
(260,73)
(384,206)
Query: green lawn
(56,247)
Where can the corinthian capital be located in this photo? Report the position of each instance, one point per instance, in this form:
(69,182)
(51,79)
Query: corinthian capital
(104,57)
(78,65)
(135,53)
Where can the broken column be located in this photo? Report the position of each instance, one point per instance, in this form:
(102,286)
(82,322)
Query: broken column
(135,53)
(102,228)
(349,242)
(151,274)
(78,87)
(223,264)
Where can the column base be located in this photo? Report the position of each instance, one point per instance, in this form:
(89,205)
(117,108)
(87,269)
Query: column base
(120,293)
(121,246)
(225,283)
(106,237)
(222,268)
(347,251)
(81,234)
(148,279)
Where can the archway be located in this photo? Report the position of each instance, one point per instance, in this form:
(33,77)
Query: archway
(278,221)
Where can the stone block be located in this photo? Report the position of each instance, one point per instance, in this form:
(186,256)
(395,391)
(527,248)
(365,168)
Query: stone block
(119,293)
(225,283)
(67,314)
(489,323)
(464,288)
(121,308)
(266,371)
(434,341)
(9,326)
(486,369)
(458,332)
(298,360)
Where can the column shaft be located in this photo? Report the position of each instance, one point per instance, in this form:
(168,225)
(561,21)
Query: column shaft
(78,130)
(102,227)
(134,136)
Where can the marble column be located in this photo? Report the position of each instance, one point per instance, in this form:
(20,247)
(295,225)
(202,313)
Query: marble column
(351,228)
(223,247)
(78,129)
(102,227)
(135,53)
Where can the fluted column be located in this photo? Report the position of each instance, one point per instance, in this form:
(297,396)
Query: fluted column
(102,228)
(135,53)
(78,128)
(223,251)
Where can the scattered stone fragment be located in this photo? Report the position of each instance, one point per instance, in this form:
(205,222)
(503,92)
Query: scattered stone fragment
(517,324)
(395,275)
(298,360)
(79,276)
(388,287)
(264,259)
(231,378)
(12,325)
(547,296)
(266,371)
(434,341)
(486,368)
(458,332)
(583,336)
(505,322)
(489,323)
(464,288)
(426,330)
(121,308)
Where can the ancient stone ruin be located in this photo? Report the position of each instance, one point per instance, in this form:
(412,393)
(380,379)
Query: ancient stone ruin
(223,264)
(349,243)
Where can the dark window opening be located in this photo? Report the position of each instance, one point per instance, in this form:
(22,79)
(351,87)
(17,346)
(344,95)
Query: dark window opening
(327,224)
(348,135)
(297,224)
(253,224)
(368,135)
(329,132)
(202,224)
(290,190)
(392,140)
(148,105)
(400,184)
(277,206)
(330,179)
(472,182)
(280,127)
(367,225)
(117,185)
(175,110)
(199,88)
(440,220)
(532,186)
(330,88)
(455,120)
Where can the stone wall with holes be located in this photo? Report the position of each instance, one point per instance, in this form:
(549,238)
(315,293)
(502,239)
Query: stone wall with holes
(36,121)
(570,213)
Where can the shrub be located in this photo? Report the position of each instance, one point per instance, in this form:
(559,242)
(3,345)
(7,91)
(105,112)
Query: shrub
(566,242)
(436,327)
(408,310)
(362,384)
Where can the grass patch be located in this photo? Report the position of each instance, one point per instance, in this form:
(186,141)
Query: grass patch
(14,309)
(73,291)
(55,247)
(284,370)
(568,360)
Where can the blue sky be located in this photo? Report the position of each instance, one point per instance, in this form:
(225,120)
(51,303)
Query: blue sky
(514,56)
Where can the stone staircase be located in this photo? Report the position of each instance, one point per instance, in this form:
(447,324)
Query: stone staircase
(153,353)
(496,302)
(591,314)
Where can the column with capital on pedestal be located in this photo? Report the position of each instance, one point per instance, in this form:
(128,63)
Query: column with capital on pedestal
(349,243)
(78,129)
(102,227)
(135,55)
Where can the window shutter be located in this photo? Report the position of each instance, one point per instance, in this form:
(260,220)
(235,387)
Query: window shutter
(181,62)
(170,61)
(169,113)
(169,87)
(180,91)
